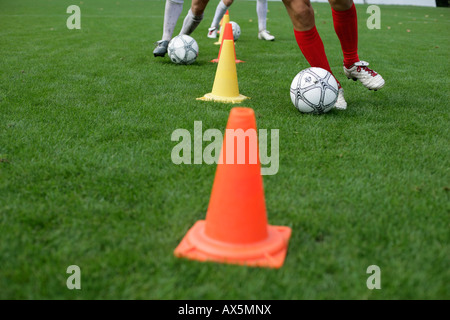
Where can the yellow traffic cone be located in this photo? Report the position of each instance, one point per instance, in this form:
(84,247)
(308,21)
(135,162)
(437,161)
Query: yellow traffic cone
(229,36)
(225,88)
(223,23)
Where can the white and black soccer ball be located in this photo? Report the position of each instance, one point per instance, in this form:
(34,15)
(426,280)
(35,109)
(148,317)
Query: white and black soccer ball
(314,90)
(183,49)
(236,30)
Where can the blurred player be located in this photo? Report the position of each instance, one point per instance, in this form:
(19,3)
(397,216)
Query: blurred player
(346,27)
(172,12)
(261,10)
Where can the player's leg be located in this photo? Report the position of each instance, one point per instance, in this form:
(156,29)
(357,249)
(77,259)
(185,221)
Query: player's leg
(306,35)
(261,11)
(221,9)
(172,12)
(346,26)
(194,16)
(308,39)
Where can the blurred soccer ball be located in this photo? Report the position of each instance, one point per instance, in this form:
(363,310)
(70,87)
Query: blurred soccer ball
(236,30)
(314,90)
(183,49)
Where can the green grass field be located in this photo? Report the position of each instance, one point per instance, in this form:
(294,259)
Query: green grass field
(86,176)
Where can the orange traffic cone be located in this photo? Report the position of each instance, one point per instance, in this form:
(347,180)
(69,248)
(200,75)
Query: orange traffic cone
(236,229)
(225,88)
(228,35)
(223,22)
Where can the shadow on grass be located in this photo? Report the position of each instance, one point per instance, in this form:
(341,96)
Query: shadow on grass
(167,61)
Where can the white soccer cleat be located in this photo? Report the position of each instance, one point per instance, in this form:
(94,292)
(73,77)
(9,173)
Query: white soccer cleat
(265,35)
(212,33)
(369,78)
(341,104)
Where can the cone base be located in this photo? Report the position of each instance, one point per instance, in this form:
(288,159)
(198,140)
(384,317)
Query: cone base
(271,252)
(213,97)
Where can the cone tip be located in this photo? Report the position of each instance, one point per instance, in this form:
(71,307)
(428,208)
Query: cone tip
(242,112)
(241,118)
(228,33)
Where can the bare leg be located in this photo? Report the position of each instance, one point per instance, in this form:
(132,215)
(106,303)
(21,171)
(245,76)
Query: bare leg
(341,5)
(301,14)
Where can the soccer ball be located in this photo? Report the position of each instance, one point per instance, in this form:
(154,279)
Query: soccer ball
(314,90)
(183,49)
(236,30)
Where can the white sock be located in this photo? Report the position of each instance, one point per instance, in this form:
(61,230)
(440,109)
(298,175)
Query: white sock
(190,23)
(220,11)
(261,10)
(171,14)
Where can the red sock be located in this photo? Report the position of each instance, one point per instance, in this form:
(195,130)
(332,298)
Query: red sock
(346,27)
(312,48)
